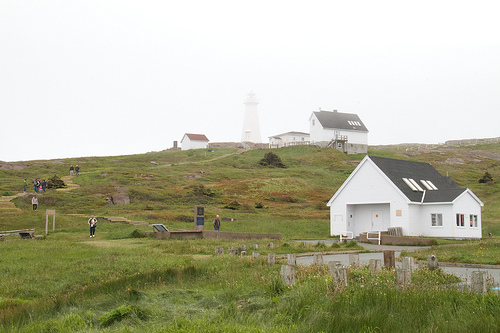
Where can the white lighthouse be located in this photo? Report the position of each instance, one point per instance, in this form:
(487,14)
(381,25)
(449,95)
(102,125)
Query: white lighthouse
(251,126)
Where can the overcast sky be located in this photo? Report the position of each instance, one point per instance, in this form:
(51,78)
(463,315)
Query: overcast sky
(93,78)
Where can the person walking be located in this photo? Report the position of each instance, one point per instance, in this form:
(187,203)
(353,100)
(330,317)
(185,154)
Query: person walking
(34,202)
(44,185)
(216,223)
(36,185)
(77,170)
(25,186)
(71,169)
(92,223)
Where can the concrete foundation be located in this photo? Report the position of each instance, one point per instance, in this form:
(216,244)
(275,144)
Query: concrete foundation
(211,234)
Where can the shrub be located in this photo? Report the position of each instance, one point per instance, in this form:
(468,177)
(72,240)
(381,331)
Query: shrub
(120,313)
(55,182)
(6,194)
(352,244)
(271,159)
(486,178)
(234,205)
(259,205)
(137,234)
(185,218)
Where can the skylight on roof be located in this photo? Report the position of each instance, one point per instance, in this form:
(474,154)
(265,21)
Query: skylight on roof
(427,186)
(410,185)
(354,123)
(416,185)
(434,187)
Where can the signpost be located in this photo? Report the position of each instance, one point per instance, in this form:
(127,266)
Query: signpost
(199,218)
(47,213)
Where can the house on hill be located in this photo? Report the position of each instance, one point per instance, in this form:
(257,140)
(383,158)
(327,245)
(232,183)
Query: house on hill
(194,141)
(343,131)
(384,193)
(288,139)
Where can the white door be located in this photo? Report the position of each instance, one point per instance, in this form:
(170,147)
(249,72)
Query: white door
(377,220)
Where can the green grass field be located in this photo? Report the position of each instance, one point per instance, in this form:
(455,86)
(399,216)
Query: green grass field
(115,282)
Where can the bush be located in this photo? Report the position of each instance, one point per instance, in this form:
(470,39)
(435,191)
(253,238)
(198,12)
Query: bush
(55,182)
(486,178)
(259,205)
(234,205)
(137,234)
(271,159)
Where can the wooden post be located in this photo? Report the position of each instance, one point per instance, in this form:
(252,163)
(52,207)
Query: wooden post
(288,274)
(292,259)
(432,262)
(332,265)
(271,258)
(270,245)
(375,265)
(407,263)
(47,213)
(339,276)
(255,255)
(354,260)
(479,283)
(389,259)
(318,259)
(255,246)
(403,278)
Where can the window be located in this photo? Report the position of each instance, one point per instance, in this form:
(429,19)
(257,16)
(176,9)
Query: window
(437,220)
(460,220)
(314,122)
(473,221)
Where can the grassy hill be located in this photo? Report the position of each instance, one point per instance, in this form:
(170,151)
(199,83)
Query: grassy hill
(164,186)
(115,282)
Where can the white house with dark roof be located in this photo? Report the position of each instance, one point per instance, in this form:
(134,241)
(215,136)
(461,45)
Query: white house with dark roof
(343,131)
(384,193)
(194,141)
(288,139)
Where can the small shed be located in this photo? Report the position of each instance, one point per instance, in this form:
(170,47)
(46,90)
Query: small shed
(194,141)
(288,139)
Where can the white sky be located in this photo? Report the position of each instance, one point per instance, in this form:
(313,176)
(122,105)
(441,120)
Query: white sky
(92,78)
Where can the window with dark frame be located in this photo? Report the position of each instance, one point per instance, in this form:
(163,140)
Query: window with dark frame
(460,220)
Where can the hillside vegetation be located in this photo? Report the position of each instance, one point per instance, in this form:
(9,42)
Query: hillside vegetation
(164,186)
(121,282)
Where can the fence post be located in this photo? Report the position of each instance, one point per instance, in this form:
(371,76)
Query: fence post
(292,259)
(288,274)
(479,283)
(407,263)
(339,276)
(375,265)
(389,259)
(354,260)
(271,258)
(318,259)
(432,262)
(403,278)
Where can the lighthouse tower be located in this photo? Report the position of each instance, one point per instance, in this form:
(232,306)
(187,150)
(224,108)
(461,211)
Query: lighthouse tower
(251,126)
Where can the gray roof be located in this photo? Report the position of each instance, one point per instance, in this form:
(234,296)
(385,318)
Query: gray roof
(289,133)
(340,120)
(396,170)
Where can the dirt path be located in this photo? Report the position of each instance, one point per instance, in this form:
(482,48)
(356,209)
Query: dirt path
(6,204)
(239,151)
